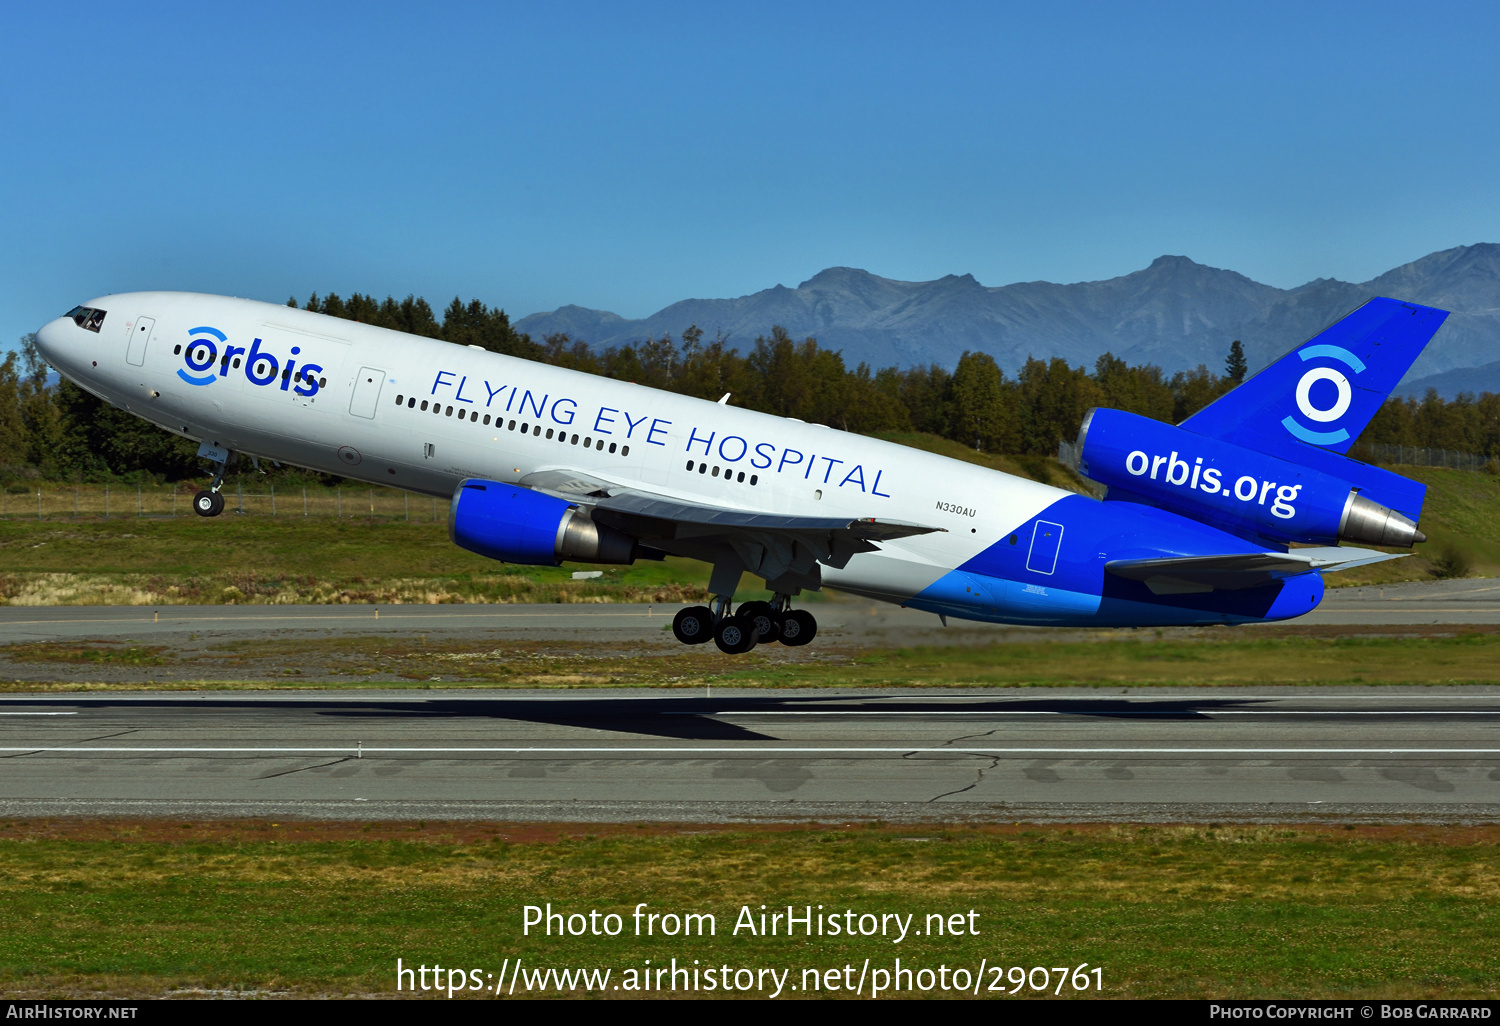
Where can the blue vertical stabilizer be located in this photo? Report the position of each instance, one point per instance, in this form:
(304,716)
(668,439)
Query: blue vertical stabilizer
(1323,393)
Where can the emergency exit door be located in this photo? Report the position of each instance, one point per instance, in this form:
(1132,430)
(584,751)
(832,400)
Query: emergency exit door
(1045,539)
(135,352)
(366,392)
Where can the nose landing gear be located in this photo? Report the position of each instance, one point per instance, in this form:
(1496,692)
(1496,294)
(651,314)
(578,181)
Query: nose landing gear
(753,623)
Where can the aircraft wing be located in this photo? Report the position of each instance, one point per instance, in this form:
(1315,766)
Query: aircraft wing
(694,518)
(771,545)
(1178,575)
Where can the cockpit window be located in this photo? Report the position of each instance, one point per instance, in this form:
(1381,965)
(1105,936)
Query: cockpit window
(86,317)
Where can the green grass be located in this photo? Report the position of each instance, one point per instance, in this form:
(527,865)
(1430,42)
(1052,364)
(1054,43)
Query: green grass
(1227,658)
(1166,912)
(1415,656)
(86,652)
(1461,512)
(168,561)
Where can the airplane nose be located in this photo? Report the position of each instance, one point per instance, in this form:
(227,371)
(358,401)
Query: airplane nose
(49,338)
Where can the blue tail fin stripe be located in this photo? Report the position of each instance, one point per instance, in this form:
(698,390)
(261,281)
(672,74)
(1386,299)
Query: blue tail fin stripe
(1333,353)
(1315,437)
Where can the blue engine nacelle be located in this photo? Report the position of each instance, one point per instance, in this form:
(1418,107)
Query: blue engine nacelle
(518,525)
(1229,486)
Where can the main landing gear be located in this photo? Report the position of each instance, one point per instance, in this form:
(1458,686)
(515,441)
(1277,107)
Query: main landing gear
(750,625)
(209,502)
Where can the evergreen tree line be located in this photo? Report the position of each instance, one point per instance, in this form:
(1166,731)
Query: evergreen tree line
(63,433)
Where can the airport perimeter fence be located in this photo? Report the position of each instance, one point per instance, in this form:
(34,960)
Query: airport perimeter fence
(1067,455)
(1420,456)
(51,501)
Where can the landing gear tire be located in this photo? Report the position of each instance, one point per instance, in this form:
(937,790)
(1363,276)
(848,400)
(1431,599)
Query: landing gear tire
(798,627)
(207,503)
(735,635)
(763,616)
(693,625)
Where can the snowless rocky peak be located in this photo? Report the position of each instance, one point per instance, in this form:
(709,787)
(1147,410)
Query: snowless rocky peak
(1176,313)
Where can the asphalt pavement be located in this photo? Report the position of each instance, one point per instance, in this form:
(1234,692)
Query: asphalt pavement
(1429,755)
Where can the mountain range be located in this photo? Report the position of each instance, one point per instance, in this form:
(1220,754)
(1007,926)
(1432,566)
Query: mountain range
(1176,314)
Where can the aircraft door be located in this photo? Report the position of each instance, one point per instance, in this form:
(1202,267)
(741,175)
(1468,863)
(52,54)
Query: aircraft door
(1046,537)
(135,353)
(366,392)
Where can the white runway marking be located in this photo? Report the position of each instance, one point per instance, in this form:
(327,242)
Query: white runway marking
(38,713)
(1088,712)
(746,749)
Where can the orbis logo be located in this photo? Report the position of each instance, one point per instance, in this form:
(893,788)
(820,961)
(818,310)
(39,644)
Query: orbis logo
(1210,480)
(1323,396)
(209,354)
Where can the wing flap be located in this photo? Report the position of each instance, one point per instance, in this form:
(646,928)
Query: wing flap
(718,518)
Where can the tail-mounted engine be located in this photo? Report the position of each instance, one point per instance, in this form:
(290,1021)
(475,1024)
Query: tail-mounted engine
(518,525)
(1235,488)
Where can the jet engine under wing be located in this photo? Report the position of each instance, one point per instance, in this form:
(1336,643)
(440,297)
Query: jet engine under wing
(1180,575)
(775,546)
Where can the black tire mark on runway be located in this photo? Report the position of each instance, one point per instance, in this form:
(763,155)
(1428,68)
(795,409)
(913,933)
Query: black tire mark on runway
(301,769)
(101,737)
(968,737)
(978,776)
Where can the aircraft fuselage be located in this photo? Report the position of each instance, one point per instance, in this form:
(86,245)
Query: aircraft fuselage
(394,409)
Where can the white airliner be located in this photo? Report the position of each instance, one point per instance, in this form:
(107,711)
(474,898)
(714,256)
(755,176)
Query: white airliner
(543,464)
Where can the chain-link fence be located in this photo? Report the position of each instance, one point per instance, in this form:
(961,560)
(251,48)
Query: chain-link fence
(53,501)
(1421,456)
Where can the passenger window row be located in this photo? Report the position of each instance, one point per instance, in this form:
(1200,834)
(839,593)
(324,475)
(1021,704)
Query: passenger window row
(589,442)
(729,474)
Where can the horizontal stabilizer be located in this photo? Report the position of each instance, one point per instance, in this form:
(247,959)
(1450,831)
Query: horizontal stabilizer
(1183,575)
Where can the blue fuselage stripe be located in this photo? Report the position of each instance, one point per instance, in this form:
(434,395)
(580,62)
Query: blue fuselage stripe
(1066,585)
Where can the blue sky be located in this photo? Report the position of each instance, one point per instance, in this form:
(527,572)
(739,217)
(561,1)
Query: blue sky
(623,156)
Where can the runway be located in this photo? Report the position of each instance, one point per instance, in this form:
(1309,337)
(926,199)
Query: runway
(913,754)
(851,621)
(895,755)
